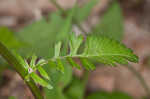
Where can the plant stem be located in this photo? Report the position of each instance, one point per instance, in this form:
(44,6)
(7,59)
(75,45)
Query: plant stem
(12,61)
(140,78)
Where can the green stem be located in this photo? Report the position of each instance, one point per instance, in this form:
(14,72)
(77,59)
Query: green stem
(12,61)
(140,78)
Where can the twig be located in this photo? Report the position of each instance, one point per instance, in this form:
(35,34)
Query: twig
(140,78)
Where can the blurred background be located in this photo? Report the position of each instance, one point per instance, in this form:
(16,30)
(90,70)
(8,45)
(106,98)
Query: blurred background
(125,20)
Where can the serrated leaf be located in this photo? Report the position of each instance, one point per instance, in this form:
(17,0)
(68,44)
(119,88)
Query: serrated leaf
(57,49)
(43,73)
(40,81)
(75,43)
(102,49)
(73,63)
(87,64)
(108,50)
(111,23)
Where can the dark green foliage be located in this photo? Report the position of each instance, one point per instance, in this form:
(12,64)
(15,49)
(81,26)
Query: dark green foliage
(106,95)
(83,12)
(8,38)
(111,23)
(41,35)
(75,89)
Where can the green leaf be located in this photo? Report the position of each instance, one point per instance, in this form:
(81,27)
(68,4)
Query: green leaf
(33,61)
(8,38)
(75,43)
(87,64)
(57,49)
(60,65)
(73,63)
(76,89)
(68,23)
(52,63)
(83,13)
(11,97)
(41,35)
(41,62)
(106,95)
(40,81)
(103,50)
(111,24)
(108,51)
(59,82)
(56,93)
(22,61)
(43,73)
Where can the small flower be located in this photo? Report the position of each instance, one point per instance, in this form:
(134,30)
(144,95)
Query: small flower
(30,70)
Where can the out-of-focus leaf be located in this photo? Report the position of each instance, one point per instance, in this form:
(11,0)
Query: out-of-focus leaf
(41,35)
(8,38)
(76,89)
(111,24)
(40,81)
(59,82)
(106,95)
(56,93)
(11,97)
(83,13)
(57,49)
